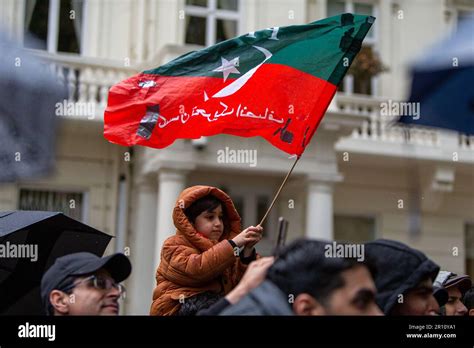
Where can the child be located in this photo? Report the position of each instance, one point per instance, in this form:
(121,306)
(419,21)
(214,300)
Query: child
(206,257)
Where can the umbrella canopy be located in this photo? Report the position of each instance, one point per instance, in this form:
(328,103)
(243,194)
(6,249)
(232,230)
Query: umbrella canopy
(442,83)
(29,93)
(30,242)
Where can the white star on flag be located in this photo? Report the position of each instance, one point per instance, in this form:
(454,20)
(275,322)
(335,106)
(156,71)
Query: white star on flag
(228,67)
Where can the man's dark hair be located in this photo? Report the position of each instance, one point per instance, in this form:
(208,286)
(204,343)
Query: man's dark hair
(468,299)
(207,203)
(302,267)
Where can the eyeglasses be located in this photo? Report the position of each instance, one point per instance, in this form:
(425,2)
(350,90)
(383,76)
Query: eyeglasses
(100,283)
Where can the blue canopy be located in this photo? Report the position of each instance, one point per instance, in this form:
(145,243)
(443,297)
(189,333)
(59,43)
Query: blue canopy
(443,83)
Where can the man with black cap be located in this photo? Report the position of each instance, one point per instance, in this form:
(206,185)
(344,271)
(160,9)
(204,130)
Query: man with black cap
(85,284)
(456,286)
(404,279)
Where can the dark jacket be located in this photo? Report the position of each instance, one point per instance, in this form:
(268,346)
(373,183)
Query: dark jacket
(399,269)
(215,309)
(266,299)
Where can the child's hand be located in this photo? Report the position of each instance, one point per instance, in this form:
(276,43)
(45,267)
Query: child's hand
(254,237)
(250,236)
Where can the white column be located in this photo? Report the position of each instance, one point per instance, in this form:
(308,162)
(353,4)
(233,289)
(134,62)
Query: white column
(53,26)
(170,184)
(141,282)
(319,210)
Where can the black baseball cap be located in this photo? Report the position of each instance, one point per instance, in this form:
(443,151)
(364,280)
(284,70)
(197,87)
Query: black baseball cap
(64,270)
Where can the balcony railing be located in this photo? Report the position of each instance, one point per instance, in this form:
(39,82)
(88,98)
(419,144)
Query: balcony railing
(384,128)
(87,80)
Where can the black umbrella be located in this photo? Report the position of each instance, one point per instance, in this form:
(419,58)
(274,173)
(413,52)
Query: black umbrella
(30,242)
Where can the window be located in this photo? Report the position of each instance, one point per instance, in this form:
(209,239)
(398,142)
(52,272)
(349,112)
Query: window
(71,204)
(469,245)
(245,204)
(252,208)
(361,84)
(354,229)
(211,21)
(56,24)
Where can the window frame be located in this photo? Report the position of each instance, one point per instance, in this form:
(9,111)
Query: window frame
(68,190)
(52,38)
(211,13)
(469,224)
(250,201)
(249,197)
(345,214)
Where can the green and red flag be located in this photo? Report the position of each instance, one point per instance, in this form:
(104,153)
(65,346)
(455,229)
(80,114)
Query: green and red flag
(275,83)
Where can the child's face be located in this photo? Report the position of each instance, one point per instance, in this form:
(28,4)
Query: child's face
(210,224)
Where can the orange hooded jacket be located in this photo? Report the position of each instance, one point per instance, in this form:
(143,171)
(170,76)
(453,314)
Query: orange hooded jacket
(190,263)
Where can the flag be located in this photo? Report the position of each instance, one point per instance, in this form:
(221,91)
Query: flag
(275,83)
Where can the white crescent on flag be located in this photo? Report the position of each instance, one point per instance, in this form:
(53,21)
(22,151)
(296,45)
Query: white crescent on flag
(241,81)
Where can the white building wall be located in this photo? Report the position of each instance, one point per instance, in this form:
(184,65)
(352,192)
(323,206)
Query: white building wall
(376,191)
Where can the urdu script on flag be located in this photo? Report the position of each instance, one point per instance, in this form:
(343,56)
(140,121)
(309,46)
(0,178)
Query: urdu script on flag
(275,83)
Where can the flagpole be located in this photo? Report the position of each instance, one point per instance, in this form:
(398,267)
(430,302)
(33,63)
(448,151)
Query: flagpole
(279,190)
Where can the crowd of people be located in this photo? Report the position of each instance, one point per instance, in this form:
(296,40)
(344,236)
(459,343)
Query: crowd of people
(211,267)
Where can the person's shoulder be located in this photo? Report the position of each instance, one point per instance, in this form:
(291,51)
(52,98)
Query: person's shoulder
(246,306)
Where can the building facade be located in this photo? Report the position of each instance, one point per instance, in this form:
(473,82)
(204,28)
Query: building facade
(361,177)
